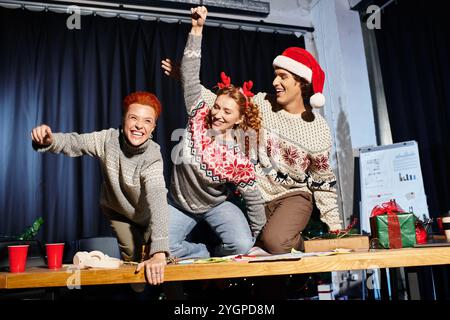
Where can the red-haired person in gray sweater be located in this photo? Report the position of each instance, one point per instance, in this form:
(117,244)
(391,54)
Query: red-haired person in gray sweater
(133,194)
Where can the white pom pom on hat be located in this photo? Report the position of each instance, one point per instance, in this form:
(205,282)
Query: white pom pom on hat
(300,62)
(317,100)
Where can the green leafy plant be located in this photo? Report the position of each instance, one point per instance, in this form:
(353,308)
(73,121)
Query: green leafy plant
(315,230)
(31,231)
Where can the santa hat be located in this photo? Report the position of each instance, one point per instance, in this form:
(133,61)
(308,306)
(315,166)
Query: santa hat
(302,63)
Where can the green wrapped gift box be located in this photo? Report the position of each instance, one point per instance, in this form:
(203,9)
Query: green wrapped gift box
(385,229)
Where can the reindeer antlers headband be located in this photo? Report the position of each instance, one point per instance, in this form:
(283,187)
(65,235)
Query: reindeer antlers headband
(245,89)
(226,81)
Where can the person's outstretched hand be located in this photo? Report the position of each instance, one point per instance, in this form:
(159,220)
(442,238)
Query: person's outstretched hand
(42,135)
(154,268)
(171,69)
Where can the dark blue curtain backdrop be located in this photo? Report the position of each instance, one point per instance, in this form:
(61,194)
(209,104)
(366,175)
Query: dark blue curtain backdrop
(414,50)
(75,80)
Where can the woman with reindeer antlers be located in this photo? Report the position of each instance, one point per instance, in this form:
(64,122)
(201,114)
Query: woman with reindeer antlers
(293,166)
(210,159)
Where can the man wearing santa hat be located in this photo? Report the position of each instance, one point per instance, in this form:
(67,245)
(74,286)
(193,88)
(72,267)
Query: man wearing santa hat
(294,159)
(293,166)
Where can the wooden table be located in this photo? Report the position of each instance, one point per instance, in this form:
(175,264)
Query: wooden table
(42,277)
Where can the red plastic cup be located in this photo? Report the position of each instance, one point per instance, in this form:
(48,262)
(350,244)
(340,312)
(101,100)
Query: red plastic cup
(440,225)
(54,255)
(17,258)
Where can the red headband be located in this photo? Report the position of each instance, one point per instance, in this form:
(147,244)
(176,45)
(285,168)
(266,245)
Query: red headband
(226,81)
(245,90)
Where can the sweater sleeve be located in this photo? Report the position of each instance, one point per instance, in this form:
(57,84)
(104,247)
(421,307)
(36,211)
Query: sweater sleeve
(245,181)
(208,96)
(155,191)
(259,99)
(75,145)
(255,208)
(322,183)
(190,71)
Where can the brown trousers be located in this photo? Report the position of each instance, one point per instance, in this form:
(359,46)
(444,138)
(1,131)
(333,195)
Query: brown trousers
(287,217)
(130,236)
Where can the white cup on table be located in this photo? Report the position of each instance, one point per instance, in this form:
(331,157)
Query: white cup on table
(446,225)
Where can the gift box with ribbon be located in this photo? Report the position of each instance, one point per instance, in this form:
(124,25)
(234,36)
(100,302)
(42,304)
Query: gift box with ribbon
(393,227)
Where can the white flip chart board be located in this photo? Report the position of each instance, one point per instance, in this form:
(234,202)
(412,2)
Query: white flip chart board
(391,172)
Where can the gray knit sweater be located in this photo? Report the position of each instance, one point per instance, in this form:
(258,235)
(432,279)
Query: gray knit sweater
(203,167)
(133,184)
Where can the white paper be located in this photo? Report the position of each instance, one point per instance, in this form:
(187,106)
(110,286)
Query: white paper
(391,172)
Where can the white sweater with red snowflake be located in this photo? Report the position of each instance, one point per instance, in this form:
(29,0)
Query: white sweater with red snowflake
(203,167)
(293,156)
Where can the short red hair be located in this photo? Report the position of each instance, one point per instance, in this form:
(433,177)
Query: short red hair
(142,97)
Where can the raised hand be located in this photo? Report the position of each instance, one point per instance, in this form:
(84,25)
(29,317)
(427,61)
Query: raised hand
(198,15)
(171,69)
(42,135)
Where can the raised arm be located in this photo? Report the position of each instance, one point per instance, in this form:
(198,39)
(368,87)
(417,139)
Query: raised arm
(71,144)
(190,65)
(172,70)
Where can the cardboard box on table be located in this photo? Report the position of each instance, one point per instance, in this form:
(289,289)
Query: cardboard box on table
(356,243)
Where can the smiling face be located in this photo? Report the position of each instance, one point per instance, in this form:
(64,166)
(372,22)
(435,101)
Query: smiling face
(225,113)
(287,88)
(138,123)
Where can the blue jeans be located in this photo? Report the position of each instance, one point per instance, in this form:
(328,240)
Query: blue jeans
(226,220)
